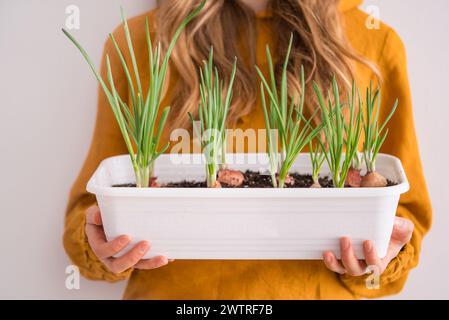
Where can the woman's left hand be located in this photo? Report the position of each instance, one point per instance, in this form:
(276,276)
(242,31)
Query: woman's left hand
(401,235)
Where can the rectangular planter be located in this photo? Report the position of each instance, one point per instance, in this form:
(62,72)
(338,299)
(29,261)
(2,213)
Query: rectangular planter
(244,223)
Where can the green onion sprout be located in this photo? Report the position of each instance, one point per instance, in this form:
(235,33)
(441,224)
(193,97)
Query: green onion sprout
(342,137)
(138,124)
(375,136)
(317,158)
(213,110)
(284,120)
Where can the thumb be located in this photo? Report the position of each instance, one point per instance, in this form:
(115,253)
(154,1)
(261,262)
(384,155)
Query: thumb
(93,216)
(402,231)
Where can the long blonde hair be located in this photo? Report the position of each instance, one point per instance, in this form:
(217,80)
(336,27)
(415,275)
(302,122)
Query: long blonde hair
(229,26)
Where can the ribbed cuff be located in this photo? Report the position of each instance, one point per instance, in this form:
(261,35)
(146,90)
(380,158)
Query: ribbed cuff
(397,268)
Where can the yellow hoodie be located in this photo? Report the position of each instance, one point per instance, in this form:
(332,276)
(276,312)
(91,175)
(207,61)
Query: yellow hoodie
(186,279)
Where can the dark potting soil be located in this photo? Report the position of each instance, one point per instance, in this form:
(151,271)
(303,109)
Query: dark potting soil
(391,183)
(253,180)
(186,184)
(125,185)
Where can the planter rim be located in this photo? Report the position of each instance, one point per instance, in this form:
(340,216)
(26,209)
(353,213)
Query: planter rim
(109,191)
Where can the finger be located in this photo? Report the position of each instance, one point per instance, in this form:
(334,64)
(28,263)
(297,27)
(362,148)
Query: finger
(95,236)
(108,249)
(93,216)
(401,235)
(332,263)
(371,257)
(402,231)
(153,263)
(352,265)
(130,259)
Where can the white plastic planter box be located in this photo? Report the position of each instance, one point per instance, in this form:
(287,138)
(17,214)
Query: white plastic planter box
(244,223)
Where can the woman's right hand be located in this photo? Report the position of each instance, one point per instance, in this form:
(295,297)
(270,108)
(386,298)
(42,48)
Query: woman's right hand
(105,250)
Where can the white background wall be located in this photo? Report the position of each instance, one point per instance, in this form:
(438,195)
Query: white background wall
(47,104)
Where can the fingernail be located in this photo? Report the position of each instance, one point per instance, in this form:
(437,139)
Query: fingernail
(399,223)
(164,261)
(368,246)
(345,243)
(328,259)
(143,248)
(123,240)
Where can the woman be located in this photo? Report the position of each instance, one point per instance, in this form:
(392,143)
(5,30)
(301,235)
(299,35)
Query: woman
(330,39)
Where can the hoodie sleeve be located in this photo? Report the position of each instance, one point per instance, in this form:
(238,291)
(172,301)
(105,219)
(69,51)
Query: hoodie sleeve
(107,141)
(402,143)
